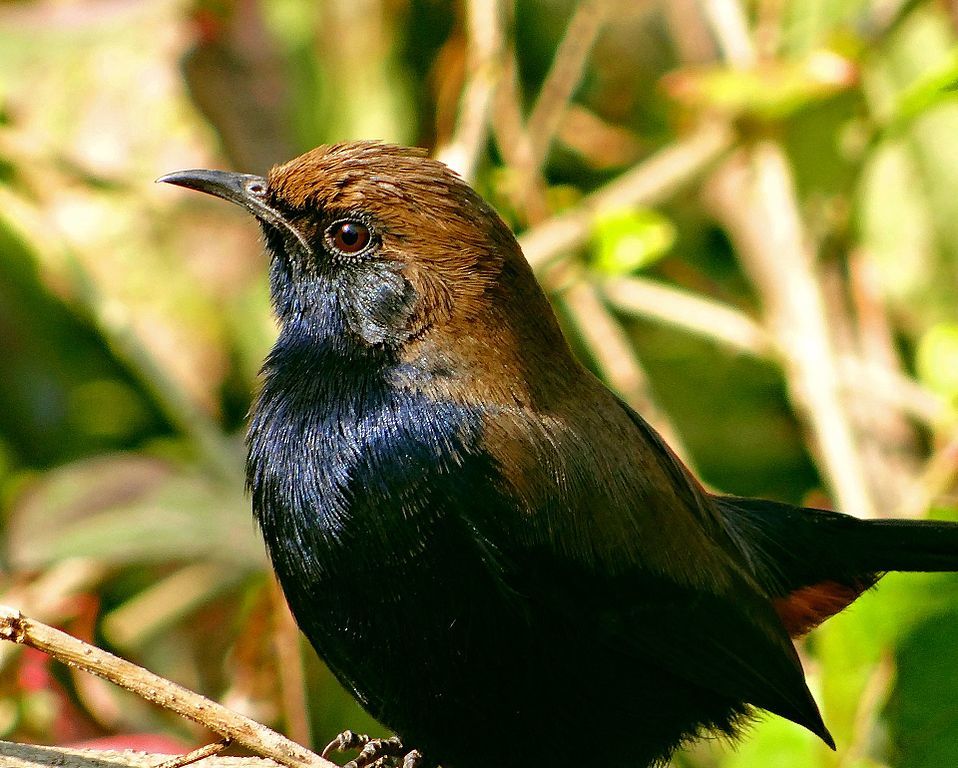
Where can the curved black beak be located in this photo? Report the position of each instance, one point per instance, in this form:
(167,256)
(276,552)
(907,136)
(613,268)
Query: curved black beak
(243,189)
(240,188)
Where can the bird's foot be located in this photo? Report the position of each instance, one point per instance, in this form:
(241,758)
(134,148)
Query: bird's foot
(374,753)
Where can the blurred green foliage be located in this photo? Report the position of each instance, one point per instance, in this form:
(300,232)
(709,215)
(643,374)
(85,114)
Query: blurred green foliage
(133,318)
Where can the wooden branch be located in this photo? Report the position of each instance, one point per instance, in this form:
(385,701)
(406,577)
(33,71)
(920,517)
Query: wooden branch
(637,295)
(35,756)
(254,736)
(753,195)
(484,70)
(564,76)
(614,355)
(649,182)
(723,324)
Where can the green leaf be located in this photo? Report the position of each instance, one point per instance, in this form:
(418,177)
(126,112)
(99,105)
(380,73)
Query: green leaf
(777,743)
(773,91)
(923,721)
(124,509)
(936,359)
(625,240)
(931,89)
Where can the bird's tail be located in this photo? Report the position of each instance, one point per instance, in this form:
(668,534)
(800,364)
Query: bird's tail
(815,562)
(906,545)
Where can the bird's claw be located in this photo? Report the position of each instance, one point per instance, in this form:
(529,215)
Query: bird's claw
(374,753)
(346,741)
(375,750)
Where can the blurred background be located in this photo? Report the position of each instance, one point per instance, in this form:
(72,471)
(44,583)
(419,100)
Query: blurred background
(744,212)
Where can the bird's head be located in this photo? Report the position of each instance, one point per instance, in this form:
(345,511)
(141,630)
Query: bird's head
(383,254)
(377,241)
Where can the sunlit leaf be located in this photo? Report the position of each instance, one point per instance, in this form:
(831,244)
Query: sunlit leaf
(626,240)
(130,509)
(923,719)
(931,89)
(937,358)
(773,90)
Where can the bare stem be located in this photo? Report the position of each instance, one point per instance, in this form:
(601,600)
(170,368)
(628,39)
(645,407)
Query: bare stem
(254,736)
(730,26)
(937,476)
(653,180)
(700,315)
(564,76)
(754,196)
(723,324)
(484,71)
(615,357)
(34,756)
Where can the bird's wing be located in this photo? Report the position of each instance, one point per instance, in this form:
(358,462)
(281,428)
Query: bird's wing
(618,535)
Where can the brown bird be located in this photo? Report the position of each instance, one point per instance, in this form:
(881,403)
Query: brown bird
(497,556)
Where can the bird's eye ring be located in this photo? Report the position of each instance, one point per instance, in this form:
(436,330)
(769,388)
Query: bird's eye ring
(348,236)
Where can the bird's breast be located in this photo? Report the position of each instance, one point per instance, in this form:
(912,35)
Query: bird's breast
(363,509)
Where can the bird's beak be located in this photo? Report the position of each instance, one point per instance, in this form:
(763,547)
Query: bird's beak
(243,189)
(240,188)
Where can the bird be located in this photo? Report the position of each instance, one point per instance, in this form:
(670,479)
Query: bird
(500,559)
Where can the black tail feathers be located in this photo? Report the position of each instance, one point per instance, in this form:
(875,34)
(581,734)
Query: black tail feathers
(907,545)
(793,547)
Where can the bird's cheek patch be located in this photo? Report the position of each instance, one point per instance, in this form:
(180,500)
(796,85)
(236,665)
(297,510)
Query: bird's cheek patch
(379,303)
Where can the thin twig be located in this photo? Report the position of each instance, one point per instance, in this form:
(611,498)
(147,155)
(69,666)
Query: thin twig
(871,700)
(484,70)
(718,322)
(651,181)
(525,146)
(292,677)
(254,736)
(697,314)
(891,387)
(51,596)
(568,66)
(165,602)
(614,356)
(35,756)
(508,128)
(938,476)
(889,441)
(730,26)
(600,331)
(200,753)
(754,196)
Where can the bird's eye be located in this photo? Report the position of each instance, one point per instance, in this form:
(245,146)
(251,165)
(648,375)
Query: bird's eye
(348,236)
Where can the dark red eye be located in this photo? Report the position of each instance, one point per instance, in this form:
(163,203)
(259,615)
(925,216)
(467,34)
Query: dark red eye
(349,236)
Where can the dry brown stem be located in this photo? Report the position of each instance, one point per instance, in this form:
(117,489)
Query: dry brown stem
(691,312)
(34,756)
(753,195)
(936,478)
(254,736)
(292,675)
(886,384)
(649,182)
(484,71)
(564,76)
(615,357)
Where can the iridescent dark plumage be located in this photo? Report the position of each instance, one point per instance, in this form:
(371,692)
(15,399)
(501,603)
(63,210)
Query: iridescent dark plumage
(488,548)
